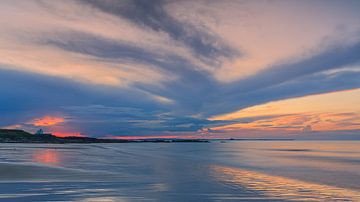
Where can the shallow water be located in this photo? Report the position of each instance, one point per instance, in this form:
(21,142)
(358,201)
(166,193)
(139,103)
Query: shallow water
(231,171)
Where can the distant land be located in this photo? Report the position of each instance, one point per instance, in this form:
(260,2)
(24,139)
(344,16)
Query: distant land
(20,136)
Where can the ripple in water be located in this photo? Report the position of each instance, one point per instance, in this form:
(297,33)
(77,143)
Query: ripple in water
(274,187)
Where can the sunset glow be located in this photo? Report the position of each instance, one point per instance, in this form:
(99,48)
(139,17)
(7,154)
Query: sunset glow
(47,156)
(180,100)
(47,121)
(324,112)
(181,68)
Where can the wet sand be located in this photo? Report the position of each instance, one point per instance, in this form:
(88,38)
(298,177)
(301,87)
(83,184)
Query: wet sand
(232,171)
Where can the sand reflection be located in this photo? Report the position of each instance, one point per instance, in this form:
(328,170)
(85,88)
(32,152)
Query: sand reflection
(283,188)
(47,156)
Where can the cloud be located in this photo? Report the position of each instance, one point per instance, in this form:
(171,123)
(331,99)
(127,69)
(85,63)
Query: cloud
(270,32)
(167,67)
(293,79)
(126,121)
(335,111)
(102,47)
(47,121)
(51,93)
(153,15)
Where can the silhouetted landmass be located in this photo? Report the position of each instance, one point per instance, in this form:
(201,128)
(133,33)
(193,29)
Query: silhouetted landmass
(20,136)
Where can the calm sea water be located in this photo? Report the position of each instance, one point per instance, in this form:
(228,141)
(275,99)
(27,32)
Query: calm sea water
(230,171)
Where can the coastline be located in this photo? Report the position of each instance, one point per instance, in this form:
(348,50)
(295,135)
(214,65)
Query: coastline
(20,136)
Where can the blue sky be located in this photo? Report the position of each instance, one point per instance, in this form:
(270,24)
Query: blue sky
(181,68)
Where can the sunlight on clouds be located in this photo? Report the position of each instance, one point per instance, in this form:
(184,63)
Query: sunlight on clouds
(47,121)
(55,62)
(265,34)
(301,123)
(56,17)
(161,99)
(331,111)
(268,33)
(343,101)
(148,68)
(23,44)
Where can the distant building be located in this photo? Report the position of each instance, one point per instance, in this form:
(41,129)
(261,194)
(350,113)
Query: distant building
(40,132)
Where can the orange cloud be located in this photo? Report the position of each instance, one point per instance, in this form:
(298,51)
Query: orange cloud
(47,121)
(322,112)
(297,122)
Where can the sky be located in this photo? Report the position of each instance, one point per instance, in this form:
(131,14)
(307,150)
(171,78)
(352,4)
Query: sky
(181,68)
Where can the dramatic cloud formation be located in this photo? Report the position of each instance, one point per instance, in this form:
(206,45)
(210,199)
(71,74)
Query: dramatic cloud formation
(181,68)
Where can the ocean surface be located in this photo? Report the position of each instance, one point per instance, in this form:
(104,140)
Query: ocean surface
(216,171)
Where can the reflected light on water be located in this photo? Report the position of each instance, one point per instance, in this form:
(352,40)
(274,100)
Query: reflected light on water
(104,199)
(47,156)
(283,188)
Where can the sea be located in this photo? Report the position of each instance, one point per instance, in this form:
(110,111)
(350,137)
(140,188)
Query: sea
(214,171)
